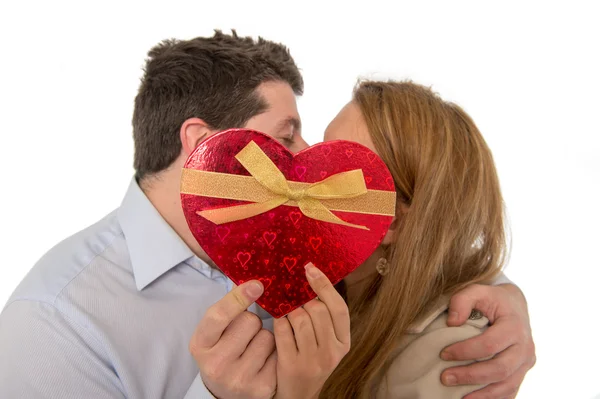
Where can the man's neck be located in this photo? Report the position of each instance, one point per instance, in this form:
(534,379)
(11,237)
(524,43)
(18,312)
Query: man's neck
(162,190)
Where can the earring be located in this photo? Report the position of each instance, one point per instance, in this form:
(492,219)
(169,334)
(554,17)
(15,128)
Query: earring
(382,266)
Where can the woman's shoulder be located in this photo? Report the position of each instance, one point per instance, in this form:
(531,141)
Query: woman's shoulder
(415,367)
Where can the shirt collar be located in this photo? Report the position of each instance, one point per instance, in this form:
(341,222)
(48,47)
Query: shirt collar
(154,247)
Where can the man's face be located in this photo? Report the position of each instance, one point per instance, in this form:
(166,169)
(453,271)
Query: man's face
(281,119)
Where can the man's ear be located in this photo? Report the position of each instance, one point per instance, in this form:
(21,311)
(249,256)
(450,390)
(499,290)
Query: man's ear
(193,131)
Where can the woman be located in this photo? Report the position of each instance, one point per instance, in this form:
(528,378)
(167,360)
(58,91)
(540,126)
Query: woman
(448,233)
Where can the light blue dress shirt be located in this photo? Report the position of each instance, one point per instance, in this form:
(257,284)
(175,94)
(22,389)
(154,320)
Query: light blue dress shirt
(109,312)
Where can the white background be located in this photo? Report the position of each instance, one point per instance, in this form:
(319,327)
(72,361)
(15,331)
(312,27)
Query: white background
(529,74)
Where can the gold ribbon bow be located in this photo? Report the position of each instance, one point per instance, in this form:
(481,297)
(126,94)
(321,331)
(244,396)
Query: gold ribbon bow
(267,188)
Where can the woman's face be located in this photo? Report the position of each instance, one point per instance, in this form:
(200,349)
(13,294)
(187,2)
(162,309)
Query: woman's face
(350,125)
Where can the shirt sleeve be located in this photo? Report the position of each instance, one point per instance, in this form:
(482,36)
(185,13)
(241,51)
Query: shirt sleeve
(47,355)
(198,390)
(502,279)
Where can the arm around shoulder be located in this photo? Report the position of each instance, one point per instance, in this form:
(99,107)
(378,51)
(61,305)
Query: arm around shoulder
(415,373)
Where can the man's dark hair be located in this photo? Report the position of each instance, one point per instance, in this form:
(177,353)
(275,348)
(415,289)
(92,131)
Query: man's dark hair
(211,78)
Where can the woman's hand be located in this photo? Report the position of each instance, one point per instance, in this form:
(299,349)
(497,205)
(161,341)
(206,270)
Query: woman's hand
(311,341)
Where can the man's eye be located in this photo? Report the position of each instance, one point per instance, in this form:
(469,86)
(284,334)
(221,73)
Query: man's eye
(287,141)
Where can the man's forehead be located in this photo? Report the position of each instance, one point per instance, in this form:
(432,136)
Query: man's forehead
(277,94)
(276,89)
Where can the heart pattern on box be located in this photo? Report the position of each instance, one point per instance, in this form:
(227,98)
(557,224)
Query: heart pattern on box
(274,246)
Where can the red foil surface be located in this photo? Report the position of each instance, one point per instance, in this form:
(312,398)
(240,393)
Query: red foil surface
(274,247)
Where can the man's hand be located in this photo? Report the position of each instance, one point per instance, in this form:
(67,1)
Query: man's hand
(311,341)
(508,340)
(235,355)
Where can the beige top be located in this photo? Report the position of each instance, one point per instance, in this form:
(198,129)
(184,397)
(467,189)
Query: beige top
(416,367)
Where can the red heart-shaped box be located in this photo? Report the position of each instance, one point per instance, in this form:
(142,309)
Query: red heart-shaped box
(274,246)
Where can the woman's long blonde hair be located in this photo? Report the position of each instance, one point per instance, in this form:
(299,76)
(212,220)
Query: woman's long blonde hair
(451,235)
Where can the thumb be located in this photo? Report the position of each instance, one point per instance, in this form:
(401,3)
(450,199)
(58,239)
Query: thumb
(475,296)
(218,317)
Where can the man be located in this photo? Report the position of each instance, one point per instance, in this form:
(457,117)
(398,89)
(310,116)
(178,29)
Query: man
(114,311)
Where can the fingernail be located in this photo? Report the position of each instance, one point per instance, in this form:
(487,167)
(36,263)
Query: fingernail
(446,355)
(254,289)
(312,271)
(450,379)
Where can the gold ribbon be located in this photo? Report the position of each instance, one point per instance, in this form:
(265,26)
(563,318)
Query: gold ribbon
(267,189)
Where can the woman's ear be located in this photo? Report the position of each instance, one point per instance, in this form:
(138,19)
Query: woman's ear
(193,131)
(389,236)
(401,210)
